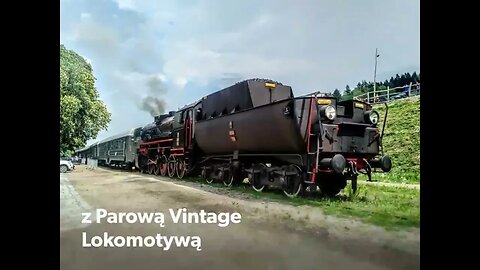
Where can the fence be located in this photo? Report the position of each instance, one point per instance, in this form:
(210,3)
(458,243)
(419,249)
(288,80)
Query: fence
(381,96)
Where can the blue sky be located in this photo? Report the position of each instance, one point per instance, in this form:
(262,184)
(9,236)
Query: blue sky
(180,50)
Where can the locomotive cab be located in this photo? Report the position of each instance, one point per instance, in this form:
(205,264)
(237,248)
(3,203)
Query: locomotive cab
(183,126)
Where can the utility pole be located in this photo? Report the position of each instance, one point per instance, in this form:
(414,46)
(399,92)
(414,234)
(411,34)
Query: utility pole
(375,75)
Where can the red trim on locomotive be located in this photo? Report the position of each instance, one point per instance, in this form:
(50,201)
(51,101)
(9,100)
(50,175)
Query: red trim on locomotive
(359,162)
(309,129)
(314,172)
(190,123)
(158,141)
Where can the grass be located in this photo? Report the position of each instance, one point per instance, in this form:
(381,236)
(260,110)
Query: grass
(401,141)
(389,207)
(394,208)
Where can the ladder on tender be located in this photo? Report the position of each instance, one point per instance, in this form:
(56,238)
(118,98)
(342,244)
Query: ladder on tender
(314,149)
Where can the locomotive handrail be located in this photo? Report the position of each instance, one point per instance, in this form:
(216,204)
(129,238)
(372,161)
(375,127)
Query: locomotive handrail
(384,122)
(315,94)
(322,132)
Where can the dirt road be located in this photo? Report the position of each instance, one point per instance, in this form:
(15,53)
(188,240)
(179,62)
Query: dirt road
(270,235)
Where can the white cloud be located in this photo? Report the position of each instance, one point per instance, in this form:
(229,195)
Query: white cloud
(308,44)
(180,82)
(126,4)
(85,15)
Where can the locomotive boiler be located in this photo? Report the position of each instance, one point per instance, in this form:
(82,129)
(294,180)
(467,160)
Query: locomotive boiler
(257,130)
(161,128)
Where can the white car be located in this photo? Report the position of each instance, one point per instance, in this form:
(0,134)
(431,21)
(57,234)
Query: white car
(66,165)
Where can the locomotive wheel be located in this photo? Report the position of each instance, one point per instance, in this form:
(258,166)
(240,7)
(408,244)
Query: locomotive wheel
(151,169)
(206,176)
(181,168)
(330,191)
(354,184)
(234,178)
(256,185)
(171,166)
(163,165)
(157,167)
(330,185)
(229,181)
(294,183)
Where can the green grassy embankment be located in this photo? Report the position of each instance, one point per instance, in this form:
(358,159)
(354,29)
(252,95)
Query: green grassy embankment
(401,141)
(393,208)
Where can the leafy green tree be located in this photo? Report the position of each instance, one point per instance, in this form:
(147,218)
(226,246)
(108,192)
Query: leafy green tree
(347,90)
(397,81)
(337,94)
(82,113)
(403,80)
(408,77)
(415,78)
(391,82)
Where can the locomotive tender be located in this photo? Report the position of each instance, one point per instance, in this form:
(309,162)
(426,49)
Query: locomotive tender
(258,130)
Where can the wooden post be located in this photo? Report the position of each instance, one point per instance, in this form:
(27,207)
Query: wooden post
(388,93)
(368,97)
(410,89)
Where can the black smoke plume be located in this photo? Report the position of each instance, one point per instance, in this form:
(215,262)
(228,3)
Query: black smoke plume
(153,103)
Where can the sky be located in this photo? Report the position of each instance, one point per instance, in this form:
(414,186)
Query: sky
(150,56)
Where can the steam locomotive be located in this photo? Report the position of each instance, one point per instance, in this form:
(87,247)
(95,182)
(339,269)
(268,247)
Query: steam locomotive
(257,130)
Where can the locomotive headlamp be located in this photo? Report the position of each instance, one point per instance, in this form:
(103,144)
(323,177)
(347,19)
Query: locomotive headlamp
(329,112)
(373,117)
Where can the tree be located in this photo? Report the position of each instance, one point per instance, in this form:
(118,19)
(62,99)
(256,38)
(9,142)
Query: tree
(337,94)
(408,77)
(82,113)
(391,83)
(401,80)
(347,90)
(397,81)
(415,78)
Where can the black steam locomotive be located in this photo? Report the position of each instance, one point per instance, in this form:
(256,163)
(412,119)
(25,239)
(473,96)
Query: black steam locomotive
(258,130)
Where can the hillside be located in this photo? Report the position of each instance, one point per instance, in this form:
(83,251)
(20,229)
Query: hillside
(401,140)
